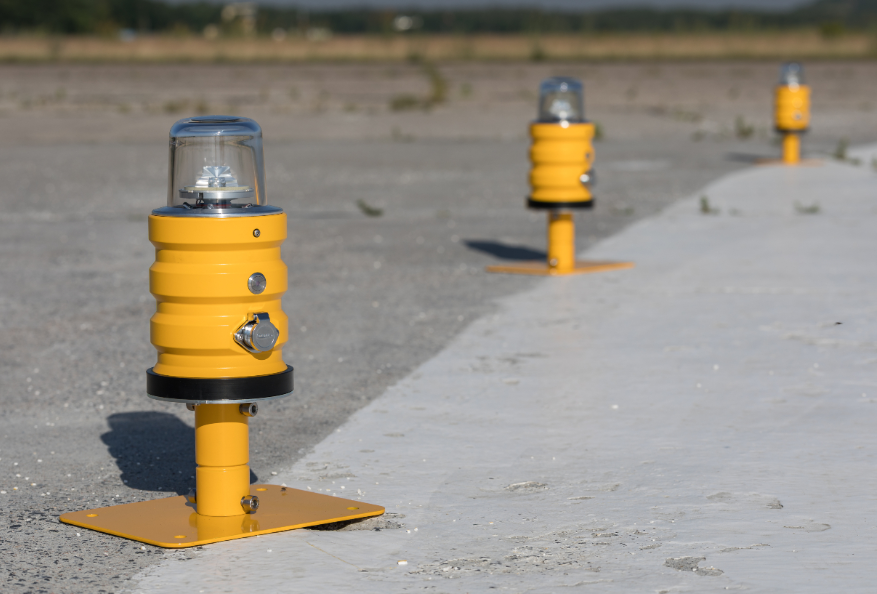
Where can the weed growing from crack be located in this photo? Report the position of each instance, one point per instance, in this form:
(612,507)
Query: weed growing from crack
(369,210)
(705,207)
(807,209)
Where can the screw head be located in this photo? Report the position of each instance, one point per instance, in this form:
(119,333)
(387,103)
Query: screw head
(256,233)
(257,283)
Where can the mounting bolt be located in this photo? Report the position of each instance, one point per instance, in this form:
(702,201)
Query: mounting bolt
(250,409)
(256,233)
(250,503)
(190,407)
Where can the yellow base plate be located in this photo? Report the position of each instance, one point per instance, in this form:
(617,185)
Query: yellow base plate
(173,523)
(801,163)
(542,269)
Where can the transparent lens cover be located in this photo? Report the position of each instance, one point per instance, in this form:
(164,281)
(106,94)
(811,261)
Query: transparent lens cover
(561,99)
(791,74)
(216,164)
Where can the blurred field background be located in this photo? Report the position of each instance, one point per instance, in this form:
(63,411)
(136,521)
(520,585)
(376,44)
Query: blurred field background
(803,44)
(156,31)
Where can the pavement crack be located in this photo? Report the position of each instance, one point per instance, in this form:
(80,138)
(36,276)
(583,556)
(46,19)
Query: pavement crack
(333,556)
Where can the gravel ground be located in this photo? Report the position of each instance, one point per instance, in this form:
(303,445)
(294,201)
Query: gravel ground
(84,161)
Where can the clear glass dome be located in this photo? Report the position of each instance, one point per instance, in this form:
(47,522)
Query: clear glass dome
(791,74)
(561,99)
(216,166)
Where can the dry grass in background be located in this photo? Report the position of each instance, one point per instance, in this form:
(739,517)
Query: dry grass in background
(626,46)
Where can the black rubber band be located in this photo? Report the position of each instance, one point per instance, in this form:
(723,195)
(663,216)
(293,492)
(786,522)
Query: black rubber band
(558,205)
(781,131)
(243,389)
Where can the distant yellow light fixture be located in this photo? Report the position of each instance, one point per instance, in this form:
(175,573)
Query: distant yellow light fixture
(792,110)
(561,177)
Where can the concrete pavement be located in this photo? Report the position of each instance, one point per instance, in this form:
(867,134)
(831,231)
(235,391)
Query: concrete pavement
(701,423)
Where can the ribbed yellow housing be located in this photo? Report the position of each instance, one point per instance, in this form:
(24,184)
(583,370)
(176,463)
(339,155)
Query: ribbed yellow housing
(792,108)
(199,281)
(560,155)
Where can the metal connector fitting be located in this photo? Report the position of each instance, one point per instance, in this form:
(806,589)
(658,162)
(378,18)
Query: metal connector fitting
(250,503)
(257,335)
(588,179)
(190,496)
(249,409)
(190,407)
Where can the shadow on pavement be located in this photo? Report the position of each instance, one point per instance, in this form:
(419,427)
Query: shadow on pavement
(155,451)
(748,157)
(505,252)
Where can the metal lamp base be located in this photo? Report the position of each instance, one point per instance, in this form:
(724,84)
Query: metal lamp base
(173,522)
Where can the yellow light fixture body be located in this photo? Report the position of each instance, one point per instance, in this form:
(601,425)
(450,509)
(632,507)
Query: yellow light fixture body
(792,108)
(200,284)
(219,330)
(562,157)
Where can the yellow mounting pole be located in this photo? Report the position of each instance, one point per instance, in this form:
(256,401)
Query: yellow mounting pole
(561,241)
(222,453)
(791,148)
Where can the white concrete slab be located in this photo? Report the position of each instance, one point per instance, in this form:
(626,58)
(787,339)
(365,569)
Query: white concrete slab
(704,422)
(864,155)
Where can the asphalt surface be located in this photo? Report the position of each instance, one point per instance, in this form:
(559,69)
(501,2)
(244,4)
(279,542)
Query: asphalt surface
(371,297)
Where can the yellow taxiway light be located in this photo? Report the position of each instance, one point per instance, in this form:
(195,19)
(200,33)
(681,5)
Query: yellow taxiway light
(561,177)
(219,330)
(792,110)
